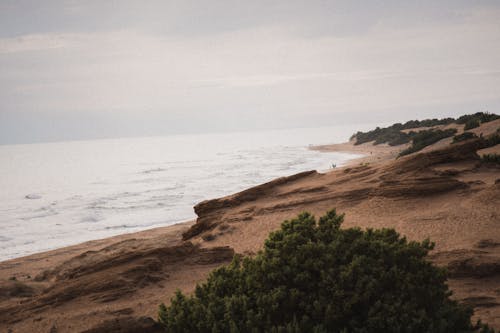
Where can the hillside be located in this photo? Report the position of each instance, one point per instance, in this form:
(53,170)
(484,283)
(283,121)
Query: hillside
(444,192)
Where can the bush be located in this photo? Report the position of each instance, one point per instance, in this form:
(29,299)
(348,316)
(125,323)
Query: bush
(394,136)
(390,135)
(464,136)
(481,117)
(427,123)
(426,138)
(470,124)
(491,140)
(315,277)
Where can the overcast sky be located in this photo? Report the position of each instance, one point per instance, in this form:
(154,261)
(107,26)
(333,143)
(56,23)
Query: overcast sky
(94,69)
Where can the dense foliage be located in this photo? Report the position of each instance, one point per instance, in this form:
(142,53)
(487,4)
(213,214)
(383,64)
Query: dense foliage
(492,140)
(315,277)
(423,139)
(394,136)
(481,117)
(427,123)
(464,136)
(391,135)
(473,123)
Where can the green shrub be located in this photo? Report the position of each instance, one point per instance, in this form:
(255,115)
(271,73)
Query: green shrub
(464,136)
(313,276)
(470,124)
(427,123)
(389,135)
(426,138)
(481,117)
(394,136)
(491,140)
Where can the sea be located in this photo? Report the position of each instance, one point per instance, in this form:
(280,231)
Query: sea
(63,193)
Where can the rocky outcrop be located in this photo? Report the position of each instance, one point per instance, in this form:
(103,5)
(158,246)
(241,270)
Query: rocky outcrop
(208,210)
(112,274)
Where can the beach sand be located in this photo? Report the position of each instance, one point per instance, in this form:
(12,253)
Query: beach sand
(372,153)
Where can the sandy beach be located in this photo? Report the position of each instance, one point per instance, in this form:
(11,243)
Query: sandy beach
(372,153)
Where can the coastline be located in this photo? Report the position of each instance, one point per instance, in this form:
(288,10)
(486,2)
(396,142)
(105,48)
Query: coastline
(381,153)
(66,199)
(30,269)
(88,284)
(34,263)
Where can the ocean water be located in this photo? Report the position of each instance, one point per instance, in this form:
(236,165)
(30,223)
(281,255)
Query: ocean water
(63,193)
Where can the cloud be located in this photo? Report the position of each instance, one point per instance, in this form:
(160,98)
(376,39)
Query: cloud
(287,66)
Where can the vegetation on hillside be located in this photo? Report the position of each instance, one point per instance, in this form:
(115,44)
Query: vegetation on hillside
(481,117)
(491,140)
(464,136)
(473,123)
(394,136)
(422,139)
(391,135)
(313,276)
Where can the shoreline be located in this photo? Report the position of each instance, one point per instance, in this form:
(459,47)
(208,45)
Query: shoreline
(371,153)
(36,261)
(82,286)
(93,244)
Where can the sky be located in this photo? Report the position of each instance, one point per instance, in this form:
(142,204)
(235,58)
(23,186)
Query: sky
(73,70)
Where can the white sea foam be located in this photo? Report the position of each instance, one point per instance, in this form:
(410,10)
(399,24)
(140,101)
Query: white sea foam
(57,194)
